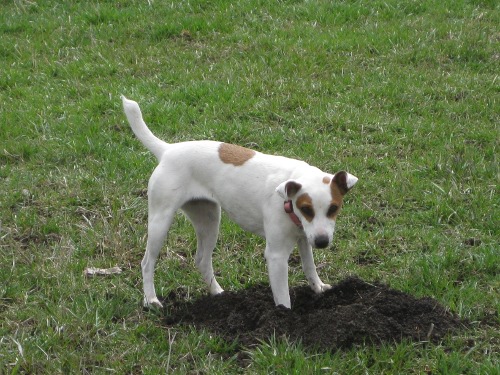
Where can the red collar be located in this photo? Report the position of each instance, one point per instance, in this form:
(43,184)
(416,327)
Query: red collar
(289,210)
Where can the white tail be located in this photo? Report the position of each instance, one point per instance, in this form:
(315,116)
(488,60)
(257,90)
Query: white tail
(141,130)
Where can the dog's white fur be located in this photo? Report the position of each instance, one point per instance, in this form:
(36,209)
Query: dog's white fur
(193,177)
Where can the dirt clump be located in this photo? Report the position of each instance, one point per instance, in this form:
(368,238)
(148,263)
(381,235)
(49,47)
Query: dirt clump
(352,312)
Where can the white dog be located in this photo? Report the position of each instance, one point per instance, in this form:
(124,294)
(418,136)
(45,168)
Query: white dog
(257,191)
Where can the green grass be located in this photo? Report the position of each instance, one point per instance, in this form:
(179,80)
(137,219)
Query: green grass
(403,94)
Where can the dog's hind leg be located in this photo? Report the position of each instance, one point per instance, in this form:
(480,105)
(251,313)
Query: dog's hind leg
(309,267)
(205,216)
(158,224)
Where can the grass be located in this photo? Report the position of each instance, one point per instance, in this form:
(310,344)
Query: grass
(404,94)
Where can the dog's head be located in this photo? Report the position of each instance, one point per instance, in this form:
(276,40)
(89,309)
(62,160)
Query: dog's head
(317,201)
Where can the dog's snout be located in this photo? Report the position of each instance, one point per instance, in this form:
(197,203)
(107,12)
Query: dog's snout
(321,241)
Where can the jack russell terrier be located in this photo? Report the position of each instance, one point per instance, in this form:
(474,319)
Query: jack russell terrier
(284,200)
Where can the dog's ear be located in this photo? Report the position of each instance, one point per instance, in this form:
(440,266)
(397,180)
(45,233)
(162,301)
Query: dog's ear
(288,189)
(345,181)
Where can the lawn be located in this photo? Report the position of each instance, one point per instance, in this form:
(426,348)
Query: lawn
(403,94)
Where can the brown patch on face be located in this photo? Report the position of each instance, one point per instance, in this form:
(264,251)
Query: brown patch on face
(326,180)
(233,154)
(304,204)
(336,202)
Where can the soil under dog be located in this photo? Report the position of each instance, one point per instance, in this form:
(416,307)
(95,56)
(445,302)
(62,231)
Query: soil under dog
(352,312)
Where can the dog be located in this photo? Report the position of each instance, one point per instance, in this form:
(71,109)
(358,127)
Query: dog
(286,201)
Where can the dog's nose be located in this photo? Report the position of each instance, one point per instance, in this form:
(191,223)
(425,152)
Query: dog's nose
(321,241)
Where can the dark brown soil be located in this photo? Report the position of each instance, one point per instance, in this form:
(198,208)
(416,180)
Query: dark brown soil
(352,312)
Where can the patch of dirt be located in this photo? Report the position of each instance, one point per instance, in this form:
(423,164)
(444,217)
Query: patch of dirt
(352,312)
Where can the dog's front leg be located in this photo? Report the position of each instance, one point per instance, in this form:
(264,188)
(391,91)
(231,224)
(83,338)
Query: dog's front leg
(309,267)
(277,267)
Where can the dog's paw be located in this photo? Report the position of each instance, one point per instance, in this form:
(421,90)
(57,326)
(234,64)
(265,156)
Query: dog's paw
(320,288)
(325,287)
(215,288)
(152,303)
(216,291)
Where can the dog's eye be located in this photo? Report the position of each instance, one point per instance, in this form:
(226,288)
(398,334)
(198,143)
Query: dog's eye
(307,211)
(332,210)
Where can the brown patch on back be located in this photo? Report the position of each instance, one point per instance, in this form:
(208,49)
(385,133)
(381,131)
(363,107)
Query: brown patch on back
(305,205)
(326,180)
(233,154)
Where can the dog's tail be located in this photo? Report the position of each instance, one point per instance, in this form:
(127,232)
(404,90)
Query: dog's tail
(141,130)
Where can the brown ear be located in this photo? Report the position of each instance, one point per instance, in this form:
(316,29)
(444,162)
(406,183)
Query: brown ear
(344,181)
(292,188)
(288,189)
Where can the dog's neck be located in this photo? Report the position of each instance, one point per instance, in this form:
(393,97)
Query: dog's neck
(289,210)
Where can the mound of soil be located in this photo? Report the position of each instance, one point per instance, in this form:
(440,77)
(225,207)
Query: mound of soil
(352,312)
